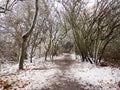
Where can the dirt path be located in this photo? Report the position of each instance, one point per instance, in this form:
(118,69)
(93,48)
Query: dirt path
(63,82)
(64,73)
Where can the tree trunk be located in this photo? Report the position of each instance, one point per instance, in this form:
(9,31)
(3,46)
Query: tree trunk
(39,51)
(25,37)
(31,54)
(22,54)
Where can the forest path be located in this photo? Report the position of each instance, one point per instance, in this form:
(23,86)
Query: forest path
(64,82)
(63,73)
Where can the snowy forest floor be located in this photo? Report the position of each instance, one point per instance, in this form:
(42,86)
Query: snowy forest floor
(64,73)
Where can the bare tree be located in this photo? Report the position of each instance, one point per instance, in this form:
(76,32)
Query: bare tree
(26,35)
(9,4)
(92,30)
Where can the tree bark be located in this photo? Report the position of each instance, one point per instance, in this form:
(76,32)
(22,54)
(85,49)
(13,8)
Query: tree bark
(25,37)
(22,55)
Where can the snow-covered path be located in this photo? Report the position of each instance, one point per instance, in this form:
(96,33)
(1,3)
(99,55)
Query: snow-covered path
(84,76)
(64,81)
(65,73)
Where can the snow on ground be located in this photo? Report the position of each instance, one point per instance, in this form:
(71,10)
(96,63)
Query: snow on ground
(7,68)
(37,74)
(41,74)
(106,77)
(38,79)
